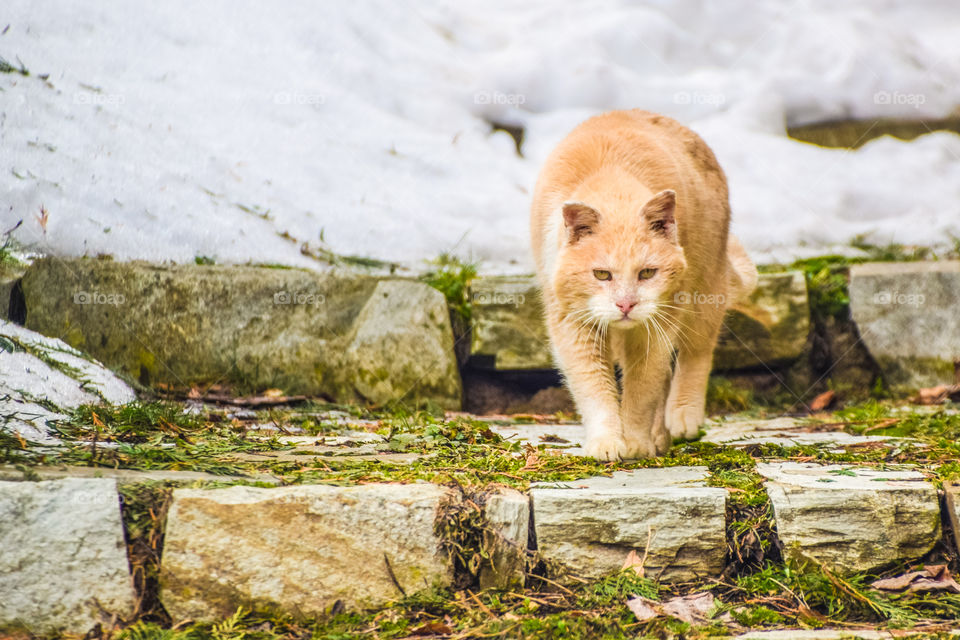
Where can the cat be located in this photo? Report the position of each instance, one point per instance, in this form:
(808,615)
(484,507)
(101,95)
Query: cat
(630,234)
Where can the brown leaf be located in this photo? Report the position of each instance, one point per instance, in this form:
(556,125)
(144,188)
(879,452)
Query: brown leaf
(938,394)
(643,608)
(432,628)
(692,609)
(635,562)
(935,577)
(822,401)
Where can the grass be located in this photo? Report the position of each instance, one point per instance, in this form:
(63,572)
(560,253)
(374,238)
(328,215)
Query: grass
(451,277)
(757,590)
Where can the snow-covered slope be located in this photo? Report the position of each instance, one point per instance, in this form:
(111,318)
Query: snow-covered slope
(176,129)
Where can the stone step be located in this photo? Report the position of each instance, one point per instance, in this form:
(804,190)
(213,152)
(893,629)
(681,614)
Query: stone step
(849,518)
(907,316)
(343,335)
(770,328)
(586,528)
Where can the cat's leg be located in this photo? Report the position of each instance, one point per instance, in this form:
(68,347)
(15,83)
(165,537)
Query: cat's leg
(688,390)
(588,370)
(645,361)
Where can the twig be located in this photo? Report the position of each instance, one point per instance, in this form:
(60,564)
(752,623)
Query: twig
(393,576)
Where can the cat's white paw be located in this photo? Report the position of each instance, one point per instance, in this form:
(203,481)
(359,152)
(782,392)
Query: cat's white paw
(640,447)
(684,421)
(606,447)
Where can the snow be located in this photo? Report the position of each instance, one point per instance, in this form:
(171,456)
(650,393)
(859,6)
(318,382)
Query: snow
(172,130)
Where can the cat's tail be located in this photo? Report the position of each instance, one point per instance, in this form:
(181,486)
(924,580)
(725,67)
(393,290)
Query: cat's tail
(741,273)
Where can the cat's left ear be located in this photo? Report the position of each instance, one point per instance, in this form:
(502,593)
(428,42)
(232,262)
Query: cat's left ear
(659,214)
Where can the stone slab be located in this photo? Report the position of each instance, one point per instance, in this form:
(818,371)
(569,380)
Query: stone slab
(302,547)
(908,318)
(586,528)
(63,564)
(315,333)
(852,518)
(785,432)
(507,514)
(568,438)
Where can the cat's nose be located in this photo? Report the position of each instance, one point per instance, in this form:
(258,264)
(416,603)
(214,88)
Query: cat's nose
(626,305)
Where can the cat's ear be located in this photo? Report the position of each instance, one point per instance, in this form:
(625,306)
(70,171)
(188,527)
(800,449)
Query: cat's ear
(659,214)
(580,220)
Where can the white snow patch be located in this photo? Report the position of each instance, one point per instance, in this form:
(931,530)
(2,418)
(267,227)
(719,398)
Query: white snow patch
(173,130)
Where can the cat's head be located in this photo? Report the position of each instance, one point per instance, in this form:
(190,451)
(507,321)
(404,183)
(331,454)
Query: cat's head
(620,261)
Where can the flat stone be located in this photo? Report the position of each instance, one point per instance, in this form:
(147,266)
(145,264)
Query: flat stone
(586,528)
(770,328)
(64,562)
(907,316)
(566,437)
(123,476)
(300,547)
(852,523)
(785,432)
(293,329)
(951,492)
(508,331)
(507,515)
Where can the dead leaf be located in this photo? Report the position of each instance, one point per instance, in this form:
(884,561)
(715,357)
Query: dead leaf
(635,562)
(938,394)
(822,401)
(692,609)
(549,437)
(935,577)
(432,628)
(273,393)
(643,608)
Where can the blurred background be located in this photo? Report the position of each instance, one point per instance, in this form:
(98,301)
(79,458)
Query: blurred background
(241,131)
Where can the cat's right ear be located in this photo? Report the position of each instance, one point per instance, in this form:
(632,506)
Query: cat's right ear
(579,219)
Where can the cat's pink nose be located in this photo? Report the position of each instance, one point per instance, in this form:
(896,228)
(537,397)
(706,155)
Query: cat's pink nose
(626,305)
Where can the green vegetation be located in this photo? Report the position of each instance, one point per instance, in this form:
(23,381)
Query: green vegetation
(6,67)
(451,277)
(756,591)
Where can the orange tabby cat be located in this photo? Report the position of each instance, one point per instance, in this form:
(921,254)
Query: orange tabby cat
(629,227)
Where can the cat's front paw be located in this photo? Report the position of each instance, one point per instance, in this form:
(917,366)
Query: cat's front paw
(684,422)
(606,447)
(640,447)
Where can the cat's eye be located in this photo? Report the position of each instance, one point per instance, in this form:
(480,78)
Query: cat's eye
(646,274)
(601,274)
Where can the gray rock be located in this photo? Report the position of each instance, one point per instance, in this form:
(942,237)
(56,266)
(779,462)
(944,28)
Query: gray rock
(907,316)
(786,432)
(302,547)
(509,334)
(586,528)
(951,492)
(64,562)
(256,326)
(508,331)
(507,515)
(566,437)
(852,523)
(402,346)
(770,328)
